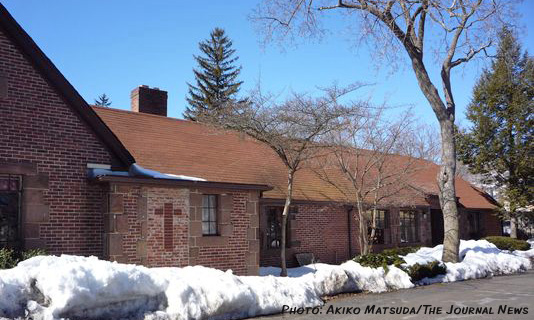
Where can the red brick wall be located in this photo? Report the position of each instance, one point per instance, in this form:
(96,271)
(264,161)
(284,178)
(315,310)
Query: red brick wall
(323,231)
(161,227)
(319,229)
(236,246)
(491,223)
(147,225)
(37,127)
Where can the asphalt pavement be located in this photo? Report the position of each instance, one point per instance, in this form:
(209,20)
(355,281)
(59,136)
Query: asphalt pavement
(502,297)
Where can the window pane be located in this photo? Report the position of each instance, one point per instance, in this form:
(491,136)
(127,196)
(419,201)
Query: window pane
(213,214)
(212,201)
(273,228)
(213,227)
(205,227)
(209,214)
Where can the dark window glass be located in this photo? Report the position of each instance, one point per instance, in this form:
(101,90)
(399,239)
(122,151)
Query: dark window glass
(10,211)
(408,226)
(209,214)
(475,225)
(273,232)
(274,227)
(381,228)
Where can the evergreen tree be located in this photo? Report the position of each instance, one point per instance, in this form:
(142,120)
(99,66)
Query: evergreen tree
(500,144)
(103,101)
(216,76)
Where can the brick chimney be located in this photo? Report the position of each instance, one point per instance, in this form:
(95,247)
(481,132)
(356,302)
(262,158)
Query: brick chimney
(149,100)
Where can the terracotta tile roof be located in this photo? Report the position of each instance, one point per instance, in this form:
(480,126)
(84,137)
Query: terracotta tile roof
(183,147)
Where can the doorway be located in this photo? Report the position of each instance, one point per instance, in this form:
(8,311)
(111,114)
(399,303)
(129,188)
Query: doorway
(436,221)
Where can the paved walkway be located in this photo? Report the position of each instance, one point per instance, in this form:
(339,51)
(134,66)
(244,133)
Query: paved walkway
(503,297)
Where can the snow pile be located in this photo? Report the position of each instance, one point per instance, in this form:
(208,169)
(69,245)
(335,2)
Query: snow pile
(375,279)
(531,242)
(479,259)
(198,292)
(78,287)
(348,277)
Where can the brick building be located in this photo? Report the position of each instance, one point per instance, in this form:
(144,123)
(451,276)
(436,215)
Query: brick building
(70,182)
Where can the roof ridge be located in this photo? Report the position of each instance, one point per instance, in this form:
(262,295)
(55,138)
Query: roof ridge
(143,114)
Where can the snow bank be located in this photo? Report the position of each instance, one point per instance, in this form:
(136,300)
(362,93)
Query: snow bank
(480,259)
(375,279)
(80,287)
(199,292)
(348,277)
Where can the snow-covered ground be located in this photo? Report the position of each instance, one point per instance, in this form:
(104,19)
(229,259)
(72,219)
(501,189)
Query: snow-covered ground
(70,286)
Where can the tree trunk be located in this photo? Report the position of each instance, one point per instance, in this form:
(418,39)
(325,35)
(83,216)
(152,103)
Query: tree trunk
(373,230)
(513,225)
(447,190)
(362,224)
(447,193)
(285,213)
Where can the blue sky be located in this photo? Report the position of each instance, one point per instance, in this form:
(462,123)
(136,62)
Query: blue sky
(113,46)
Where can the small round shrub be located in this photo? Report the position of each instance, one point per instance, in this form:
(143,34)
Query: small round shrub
(376,260)
(429,270)
(505,243)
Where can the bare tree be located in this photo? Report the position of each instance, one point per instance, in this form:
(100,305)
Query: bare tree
(460,30)
(422,142)
(293,129)
(361,166)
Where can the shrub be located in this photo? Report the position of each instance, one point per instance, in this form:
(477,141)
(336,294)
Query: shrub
(505,243)
(32,253)
(376,260)
(429,270)
(400,251)
(8,258)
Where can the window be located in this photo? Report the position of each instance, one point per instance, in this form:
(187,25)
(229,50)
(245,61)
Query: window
(273,232)
(382,225)
(10,187)
(408,226)
(475,222)
(274,228)
(209,215)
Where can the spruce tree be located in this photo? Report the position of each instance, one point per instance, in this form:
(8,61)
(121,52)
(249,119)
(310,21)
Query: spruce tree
(499,145)
(216,76)
(103,101)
